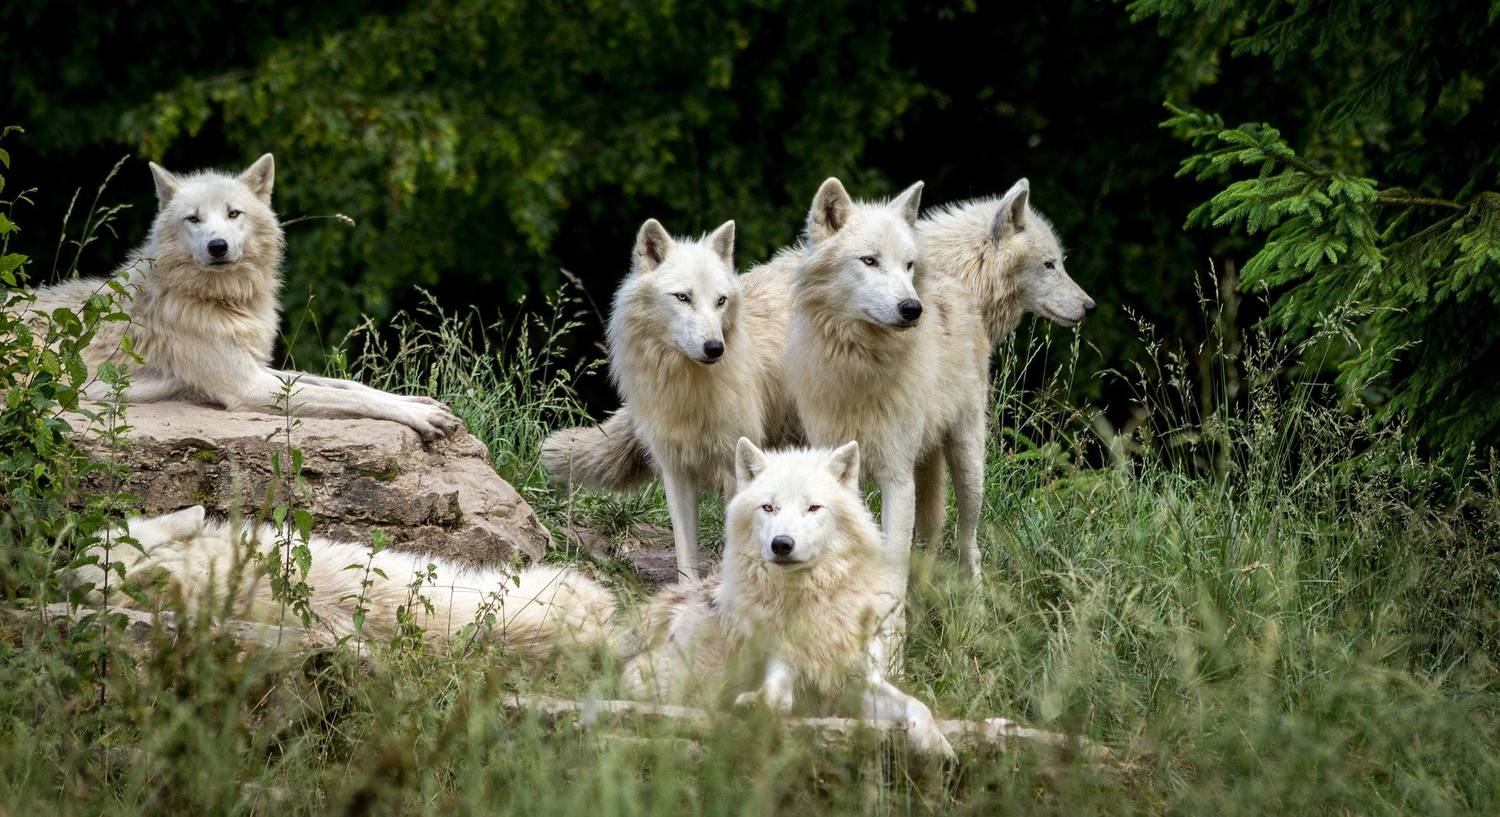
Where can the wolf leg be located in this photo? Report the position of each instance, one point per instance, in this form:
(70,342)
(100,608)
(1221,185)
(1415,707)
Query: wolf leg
(266,388)
(886,702)
(965,453)
(931,493)
(682,504)
(356,386)
(775,691)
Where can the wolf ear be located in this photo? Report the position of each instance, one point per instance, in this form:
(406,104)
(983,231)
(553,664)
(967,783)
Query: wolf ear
(651,245)
(909,202)
(1010,216)
(721,241)
(830,210)
(261,177)
(184,522)
(749,462)
(166,183)
(844,465)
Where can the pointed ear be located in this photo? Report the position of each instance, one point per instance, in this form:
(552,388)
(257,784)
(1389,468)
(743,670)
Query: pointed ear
(749,462)
(721,241)
(651,245)
(1010,216)
(830,210)
(261,177)
(909,202)
(166,183)
(844,465)
(185,522)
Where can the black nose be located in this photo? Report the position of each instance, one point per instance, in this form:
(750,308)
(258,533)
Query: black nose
(1089,306)
(713,349)
(782,545)
(218,247)
(910,309)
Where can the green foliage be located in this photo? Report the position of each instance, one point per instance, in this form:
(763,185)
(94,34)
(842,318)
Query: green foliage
(1378,221)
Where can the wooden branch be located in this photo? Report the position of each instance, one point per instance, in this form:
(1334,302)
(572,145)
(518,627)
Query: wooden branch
(969,738)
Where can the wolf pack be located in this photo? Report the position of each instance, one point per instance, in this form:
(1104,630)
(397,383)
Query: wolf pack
(857,356)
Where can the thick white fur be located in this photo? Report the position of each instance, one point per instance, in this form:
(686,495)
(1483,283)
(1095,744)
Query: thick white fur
(907,393)
(687,407)
(799,623)
(209,565)
(206,326)
(1006,253)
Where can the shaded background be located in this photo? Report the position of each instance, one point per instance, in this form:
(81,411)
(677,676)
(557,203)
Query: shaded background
(483,146)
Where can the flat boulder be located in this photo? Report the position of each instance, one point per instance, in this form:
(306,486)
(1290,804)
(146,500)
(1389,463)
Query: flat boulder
(443,498)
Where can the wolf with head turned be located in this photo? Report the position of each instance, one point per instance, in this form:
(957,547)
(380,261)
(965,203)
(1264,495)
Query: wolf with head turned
(795,611)
(205,309)
(694,352)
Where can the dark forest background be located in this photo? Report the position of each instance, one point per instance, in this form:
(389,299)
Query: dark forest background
(482,145)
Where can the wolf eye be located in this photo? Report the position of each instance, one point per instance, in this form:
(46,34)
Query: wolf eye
(192,219)
(683,296)
(1050,264)
(869,260)
(234,213)
(814,508)
(723,299)
(768,508)
(911,264)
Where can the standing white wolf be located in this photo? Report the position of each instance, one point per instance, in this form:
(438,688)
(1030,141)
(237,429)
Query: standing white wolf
(802,593)
(213,566)
(205,309)
(883,352)
(1006,253)
(697,365)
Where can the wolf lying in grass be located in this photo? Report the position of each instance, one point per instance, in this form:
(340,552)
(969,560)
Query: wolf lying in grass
(803,592)
(205,309)
(212,565)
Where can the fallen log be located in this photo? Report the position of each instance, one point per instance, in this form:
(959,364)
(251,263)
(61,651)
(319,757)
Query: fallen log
(969,738)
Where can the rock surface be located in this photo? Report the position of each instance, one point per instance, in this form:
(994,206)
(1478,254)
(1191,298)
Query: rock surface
(444,498)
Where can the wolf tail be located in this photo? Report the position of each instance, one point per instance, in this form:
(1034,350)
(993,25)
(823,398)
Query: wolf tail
(212,566)
(607,457)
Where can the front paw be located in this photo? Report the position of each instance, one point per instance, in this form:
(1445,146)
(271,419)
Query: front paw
(434,423)
(778,701)
(927,739)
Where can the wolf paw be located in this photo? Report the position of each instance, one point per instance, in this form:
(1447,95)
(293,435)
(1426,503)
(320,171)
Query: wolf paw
(927,739)
(434,423)
(778,703)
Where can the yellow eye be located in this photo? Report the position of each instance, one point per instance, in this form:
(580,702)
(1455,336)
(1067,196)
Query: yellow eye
(192,219)
(767,508)
(723,299)
(234,214)
(682,296)
(868,260)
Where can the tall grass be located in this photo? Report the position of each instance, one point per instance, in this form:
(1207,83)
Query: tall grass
(1263,604)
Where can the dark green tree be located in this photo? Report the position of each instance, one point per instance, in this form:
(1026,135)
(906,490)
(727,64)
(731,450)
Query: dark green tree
(1377,221)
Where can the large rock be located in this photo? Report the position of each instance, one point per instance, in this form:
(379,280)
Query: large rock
(363,474)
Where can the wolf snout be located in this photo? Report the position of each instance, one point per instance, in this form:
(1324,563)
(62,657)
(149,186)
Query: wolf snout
(218,248)
(781,546)
(910,310)
(713,349)
(1089,306)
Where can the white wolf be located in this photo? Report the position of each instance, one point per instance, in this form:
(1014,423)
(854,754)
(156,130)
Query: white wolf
(802,593)
(883,352)
(1001,250)
(205,309)
(1006,253)
(694,367)
(211,566)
